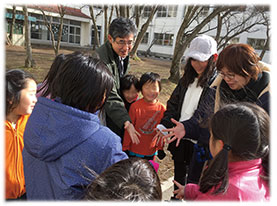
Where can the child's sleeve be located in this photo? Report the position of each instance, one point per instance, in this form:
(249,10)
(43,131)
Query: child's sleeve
(191,191)
(126,141)
(161,142)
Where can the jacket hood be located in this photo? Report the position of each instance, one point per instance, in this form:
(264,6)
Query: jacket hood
(54,129)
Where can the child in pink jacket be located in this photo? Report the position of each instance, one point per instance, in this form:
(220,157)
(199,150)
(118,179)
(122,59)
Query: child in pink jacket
(239,144)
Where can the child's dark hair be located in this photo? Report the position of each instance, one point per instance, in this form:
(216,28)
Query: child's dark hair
(16,80)
(82,82)
(244,129)
(190,74)
(150,77)
(131,179)
(127,81)
(51,75)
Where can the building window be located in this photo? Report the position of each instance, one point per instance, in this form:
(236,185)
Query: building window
(257,44)
(39,30)
(93,35)
(17,27)
(74,34)
(71,32)
(145,38)
(146,11)
(167,11)
(163,39)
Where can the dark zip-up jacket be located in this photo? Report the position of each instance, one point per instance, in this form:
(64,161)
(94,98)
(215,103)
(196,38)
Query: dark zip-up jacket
(116,113)
(173,110)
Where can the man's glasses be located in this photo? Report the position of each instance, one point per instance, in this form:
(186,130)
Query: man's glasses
(229,76)
(122,43)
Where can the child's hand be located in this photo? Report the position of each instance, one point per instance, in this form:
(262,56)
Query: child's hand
(158,137)
(132,132)
(159,134)
(180,191)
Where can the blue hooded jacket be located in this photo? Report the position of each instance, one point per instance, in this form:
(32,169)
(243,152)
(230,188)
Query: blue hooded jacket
(60,143)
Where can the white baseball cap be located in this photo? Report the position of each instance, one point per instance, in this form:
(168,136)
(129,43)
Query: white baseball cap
(201,48)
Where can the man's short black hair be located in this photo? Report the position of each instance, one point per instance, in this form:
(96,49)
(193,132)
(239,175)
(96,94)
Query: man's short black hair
(122,27)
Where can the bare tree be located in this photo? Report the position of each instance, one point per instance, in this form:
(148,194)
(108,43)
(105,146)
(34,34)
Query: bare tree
(138,13)
(48,23)
(29,61)
(96,37)
(111,15)
(148,50)
(10,37)
(263,11)
(267,41)
(122,10)
(234,19)
(127,11)
(185,35)
(142,31)
(117,11)
(106,26)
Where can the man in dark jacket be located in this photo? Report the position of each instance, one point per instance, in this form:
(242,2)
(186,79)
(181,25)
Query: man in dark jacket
(115,54)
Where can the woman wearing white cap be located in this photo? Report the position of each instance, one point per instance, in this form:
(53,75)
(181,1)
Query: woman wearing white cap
(242,78)
(199,72)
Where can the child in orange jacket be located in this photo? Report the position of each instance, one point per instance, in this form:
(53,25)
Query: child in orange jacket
(145,114)
(20,101)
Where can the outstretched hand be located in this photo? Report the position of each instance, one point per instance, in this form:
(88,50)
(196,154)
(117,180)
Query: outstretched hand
(180,191)
(159,136)
(177,132)
(134,134)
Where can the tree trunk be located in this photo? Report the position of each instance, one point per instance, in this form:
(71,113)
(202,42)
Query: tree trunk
(117,11)
(12,25)
(62,13)
(265,47)
(176,63)
(148,51)
(137,15)
(111,15)
(143,29)
(96,38)
(29,62)
(122,11)
(127,11)
(106,23)
(267,40)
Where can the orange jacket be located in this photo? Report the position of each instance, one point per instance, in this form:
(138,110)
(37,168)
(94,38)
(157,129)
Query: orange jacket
(145,117)
(15,181)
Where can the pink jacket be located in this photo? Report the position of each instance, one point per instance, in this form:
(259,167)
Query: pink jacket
(245,184)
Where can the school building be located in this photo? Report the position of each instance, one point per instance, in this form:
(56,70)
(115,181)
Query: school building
(78,28)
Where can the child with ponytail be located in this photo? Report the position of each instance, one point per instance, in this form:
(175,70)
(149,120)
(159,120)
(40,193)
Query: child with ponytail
(239,144)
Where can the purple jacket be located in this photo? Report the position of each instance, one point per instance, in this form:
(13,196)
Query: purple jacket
(245,184)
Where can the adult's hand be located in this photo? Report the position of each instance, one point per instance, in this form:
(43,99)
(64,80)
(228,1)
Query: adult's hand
(132,132)
(177,132)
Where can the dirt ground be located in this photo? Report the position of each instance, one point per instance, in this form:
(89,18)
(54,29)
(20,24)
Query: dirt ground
(44,56)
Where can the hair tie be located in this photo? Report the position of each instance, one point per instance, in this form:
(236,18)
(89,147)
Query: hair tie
(227,147)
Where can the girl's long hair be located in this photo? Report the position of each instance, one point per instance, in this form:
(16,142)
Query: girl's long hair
(245,128)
